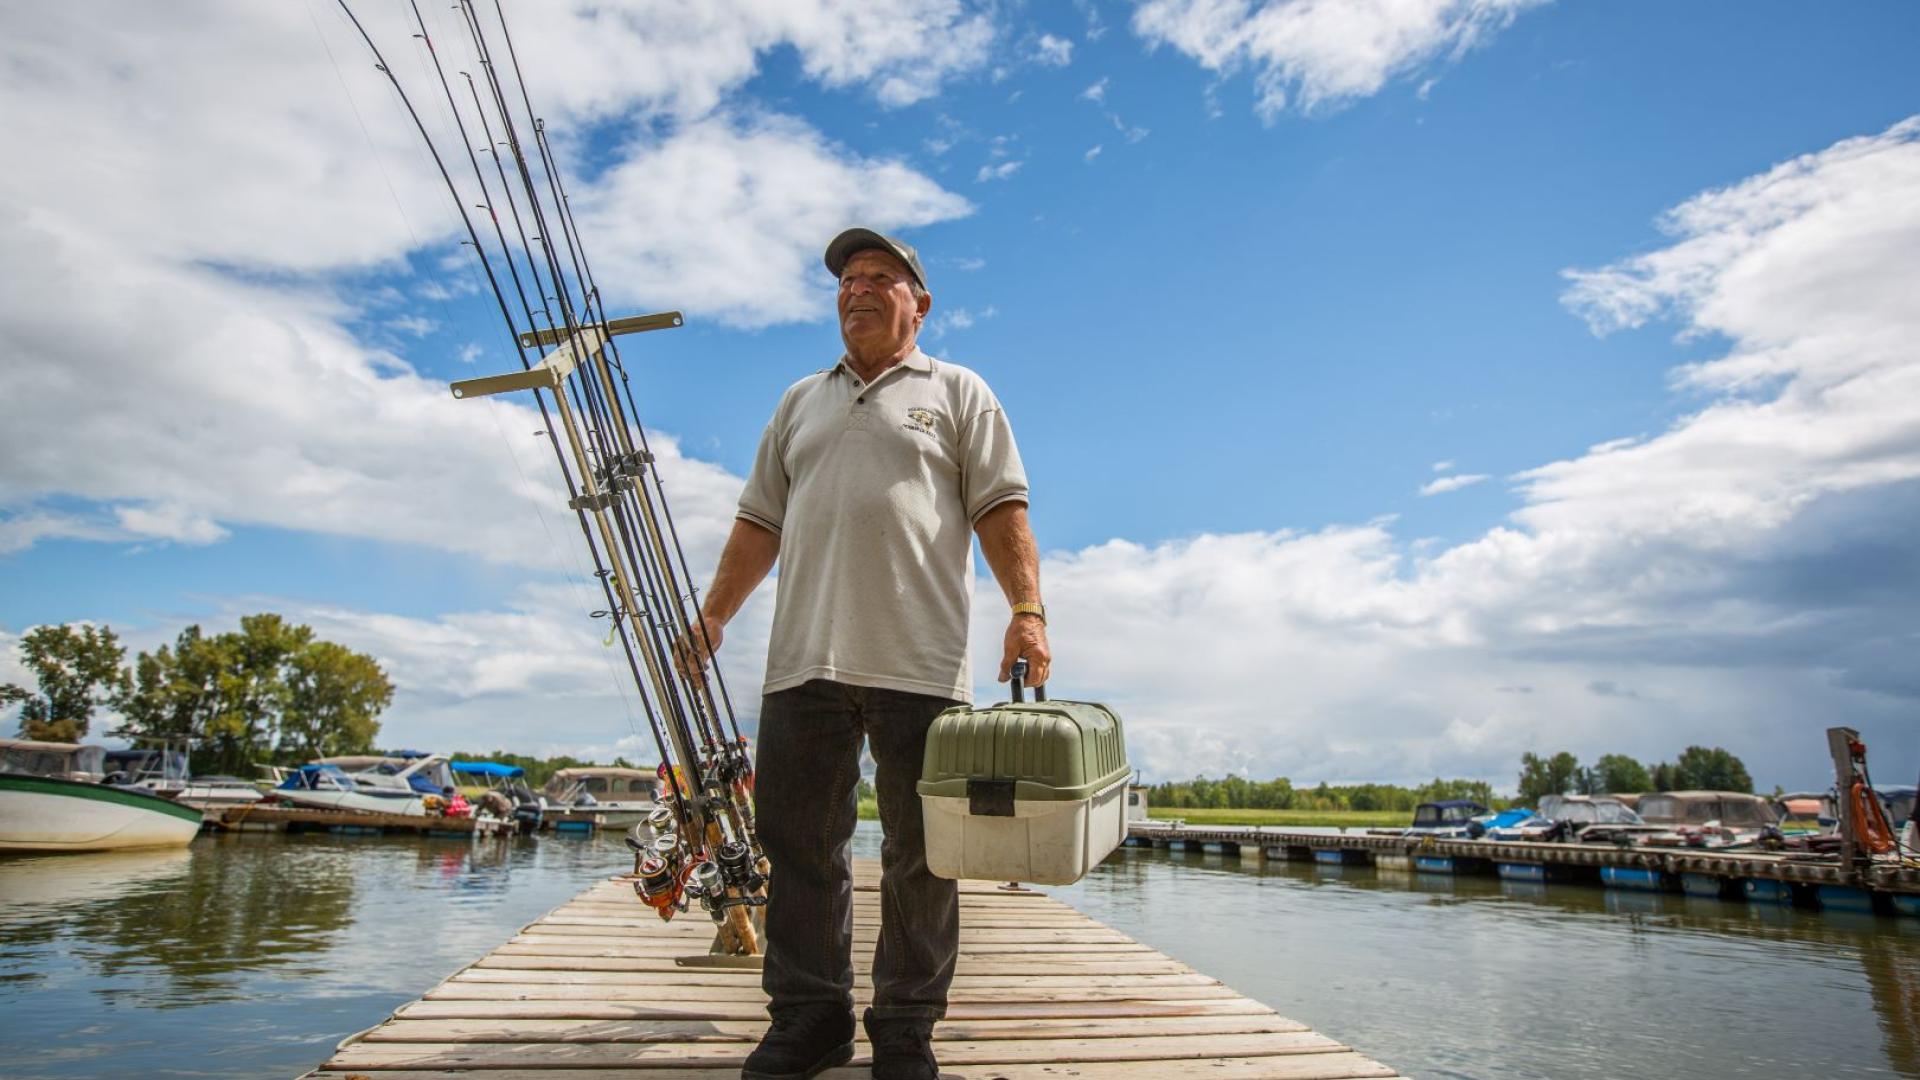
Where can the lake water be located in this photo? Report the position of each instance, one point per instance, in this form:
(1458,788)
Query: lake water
(254,955)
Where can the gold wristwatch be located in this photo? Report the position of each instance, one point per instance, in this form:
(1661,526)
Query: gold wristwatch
(1039,610)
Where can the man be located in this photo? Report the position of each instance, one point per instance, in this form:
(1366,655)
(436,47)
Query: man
(870,482)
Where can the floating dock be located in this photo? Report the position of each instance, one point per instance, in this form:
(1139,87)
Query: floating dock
(1042,992)
(258,818)
(1886,887)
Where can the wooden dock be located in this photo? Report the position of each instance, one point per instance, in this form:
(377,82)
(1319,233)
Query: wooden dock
(592,991)
(1886,885)
(259,818)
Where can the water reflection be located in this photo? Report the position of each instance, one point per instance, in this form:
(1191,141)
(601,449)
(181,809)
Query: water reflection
(1468,975)
(282,945)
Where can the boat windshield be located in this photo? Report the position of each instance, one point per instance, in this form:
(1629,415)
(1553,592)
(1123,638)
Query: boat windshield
(51,759)
(1900,805)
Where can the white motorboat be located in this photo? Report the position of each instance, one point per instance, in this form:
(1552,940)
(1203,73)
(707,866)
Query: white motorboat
(328,787)
(412,771)
(163,771)
(51,800)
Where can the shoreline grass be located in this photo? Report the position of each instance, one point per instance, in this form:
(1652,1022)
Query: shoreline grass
(1311,818)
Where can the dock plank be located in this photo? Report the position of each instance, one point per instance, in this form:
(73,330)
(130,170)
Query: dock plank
(1041,992)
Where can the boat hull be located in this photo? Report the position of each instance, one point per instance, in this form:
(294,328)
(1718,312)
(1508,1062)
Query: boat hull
(43,814)
(352,800)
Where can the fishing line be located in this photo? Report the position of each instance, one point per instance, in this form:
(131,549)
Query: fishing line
(373,149)
(707,777)
(499,297)
(595,421)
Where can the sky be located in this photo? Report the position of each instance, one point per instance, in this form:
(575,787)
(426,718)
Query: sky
(1404,385)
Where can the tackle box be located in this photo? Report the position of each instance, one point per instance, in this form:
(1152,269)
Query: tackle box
(1024,791)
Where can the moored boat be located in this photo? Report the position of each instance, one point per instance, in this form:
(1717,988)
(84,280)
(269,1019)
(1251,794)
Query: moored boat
(163,770)
(1715,819)
(607,797)
(503,791)
(51,800)
(328,787)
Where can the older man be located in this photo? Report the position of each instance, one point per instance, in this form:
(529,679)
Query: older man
(870,482)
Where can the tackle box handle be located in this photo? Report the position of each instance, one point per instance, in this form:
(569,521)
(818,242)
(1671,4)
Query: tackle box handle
(1019,674)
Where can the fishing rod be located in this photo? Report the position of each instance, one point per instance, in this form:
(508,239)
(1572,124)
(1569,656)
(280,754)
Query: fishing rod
(700,842)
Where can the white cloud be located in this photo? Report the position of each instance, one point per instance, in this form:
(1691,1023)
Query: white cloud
(733,213)
(1443,466)
(1053,51)
(1092,152)
(948,319)
(412,325)
(1319,54)
(1001,171)
(201,399)
(1451,483)
(169,521)
(1096,93)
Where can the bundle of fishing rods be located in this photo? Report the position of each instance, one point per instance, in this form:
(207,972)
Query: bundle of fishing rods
(698,846)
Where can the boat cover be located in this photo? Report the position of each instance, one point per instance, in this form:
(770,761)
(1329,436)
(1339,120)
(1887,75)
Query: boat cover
(486,768)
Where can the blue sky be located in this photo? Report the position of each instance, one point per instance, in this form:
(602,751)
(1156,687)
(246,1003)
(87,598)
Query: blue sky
(1247,279)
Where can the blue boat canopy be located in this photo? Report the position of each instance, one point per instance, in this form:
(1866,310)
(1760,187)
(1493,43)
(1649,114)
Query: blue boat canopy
(486,768)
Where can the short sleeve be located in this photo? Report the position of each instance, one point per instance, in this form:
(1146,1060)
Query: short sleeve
(764,502)
(990,469)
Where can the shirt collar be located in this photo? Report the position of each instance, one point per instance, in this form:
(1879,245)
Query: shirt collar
(915,361)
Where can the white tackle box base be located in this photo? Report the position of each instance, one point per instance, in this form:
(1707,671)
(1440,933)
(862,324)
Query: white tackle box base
(1045,842)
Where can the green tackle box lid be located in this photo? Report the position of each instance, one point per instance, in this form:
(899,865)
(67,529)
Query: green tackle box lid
(1052,750)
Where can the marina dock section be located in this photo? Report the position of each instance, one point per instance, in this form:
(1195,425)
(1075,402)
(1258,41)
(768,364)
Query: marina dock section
(1755,876)
(595,989)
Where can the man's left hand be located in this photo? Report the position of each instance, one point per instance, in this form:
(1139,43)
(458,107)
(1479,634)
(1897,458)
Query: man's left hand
(1027,636)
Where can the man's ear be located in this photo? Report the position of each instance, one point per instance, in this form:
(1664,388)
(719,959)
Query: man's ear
(925,305)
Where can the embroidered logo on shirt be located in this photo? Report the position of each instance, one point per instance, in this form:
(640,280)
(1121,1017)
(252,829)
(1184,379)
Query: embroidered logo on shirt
(920,420)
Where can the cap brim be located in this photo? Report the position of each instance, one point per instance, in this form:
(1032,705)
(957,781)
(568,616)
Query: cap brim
(853,241)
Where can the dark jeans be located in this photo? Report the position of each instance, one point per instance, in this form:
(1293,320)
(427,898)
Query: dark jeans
(805,804)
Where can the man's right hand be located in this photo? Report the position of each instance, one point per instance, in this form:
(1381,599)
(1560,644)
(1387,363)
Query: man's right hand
(693,652)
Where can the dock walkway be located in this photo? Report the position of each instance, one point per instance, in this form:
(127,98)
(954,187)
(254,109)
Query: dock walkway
(592,991)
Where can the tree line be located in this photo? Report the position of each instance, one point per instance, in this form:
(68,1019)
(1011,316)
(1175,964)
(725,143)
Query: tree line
(1698,768)
(271,691)
(1240,793)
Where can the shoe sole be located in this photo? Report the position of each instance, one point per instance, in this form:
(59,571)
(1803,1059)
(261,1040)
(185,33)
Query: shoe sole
(836,1057)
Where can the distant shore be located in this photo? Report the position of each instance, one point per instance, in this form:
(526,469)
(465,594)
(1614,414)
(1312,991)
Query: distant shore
(1336,819)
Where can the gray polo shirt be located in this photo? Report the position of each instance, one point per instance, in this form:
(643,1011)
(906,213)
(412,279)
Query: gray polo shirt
(874,489)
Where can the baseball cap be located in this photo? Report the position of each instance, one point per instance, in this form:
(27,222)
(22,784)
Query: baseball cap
(853,240)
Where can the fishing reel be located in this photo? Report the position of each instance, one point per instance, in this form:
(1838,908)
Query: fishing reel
(737,867)
(658,886)
(711,881)
(709,886)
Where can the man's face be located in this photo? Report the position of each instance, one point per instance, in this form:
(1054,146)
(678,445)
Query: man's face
(879,314)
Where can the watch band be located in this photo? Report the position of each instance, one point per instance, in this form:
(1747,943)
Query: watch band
(1037,610)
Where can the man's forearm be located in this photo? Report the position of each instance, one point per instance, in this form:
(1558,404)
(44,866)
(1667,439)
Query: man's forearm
(744,563)
(1007,541)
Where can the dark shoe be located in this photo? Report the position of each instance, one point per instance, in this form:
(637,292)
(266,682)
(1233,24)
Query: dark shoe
(902,1048)
(804,1041)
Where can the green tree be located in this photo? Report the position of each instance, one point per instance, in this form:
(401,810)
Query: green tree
(1618,774)
(253,690)
(1547,776)
(268,690)
(1702,768)
(173,690)
(334,697)
(1663,778)
(78,670)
